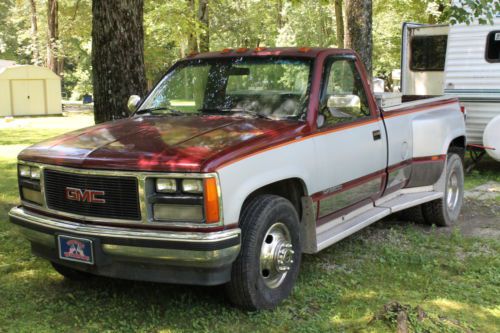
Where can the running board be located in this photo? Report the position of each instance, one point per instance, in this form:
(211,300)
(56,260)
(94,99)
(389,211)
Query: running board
(337,229)
(407,200)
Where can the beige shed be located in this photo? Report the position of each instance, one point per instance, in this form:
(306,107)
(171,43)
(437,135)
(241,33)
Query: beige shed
(27,90)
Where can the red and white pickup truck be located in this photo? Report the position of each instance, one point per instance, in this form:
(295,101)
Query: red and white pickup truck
(236,164)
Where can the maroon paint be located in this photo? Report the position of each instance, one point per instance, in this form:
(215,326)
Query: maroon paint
(176,144)
(317,197)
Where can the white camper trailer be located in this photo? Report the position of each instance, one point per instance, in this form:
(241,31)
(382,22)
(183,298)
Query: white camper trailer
(463,61)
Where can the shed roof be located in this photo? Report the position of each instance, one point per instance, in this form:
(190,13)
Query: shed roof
(6,63)
(27,72)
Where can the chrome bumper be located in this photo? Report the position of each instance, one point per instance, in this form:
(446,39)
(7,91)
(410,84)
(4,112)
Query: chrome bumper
(183,249)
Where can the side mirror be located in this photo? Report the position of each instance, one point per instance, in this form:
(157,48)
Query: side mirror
(133,102)
(344,106)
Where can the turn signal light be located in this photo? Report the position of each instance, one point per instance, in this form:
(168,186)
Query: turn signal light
(242,50)
(212,214)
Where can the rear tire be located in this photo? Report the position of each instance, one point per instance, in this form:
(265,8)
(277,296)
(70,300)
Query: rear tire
(444,212)
(265,271)
(70,273)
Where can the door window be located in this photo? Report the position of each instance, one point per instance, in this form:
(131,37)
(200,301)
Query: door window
(344,98)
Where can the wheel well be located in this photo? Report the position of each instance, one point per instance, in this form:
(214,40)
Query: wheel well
(458,146)
(291,189)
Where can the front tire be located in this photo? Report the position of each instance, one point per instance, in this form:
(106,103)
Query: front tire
(444,212)
(265,271)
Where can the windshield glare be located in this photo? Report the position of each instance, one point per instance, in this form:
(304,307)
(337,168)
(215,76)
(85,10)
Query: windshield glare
(273,87)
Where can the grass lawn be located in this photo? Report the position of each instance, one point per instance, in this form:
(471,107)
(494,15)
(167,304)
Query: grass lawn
(444,281)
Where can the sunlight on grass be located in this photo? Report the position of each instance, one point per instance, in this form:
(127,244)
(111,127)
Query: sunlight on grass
(448,304)
(10,151)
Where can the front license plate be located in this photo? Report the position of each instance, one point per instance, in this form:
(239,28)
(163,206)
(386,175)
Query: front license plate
(76,249)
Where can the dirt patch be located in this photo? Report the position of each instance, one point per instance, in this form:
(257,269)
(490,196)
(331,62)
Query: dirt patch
(485,192)
(478,219)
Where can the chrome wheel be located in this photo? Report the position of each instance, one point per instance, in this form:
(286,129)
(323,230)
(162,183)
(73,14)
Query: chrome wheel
(276,255)
(453,191)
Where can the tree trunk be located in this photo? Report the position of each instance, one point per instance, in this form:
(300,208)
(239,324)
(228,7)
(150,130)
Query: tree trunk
(117,56)
(34,35)
(53,36)
(279,12)
(204,20)
(358,34)
(192,41)
(339,20)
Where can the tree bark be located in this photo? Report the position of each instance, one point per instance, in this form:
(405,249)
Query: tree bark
(204,20)
(339,21)
(34,35)
(117,56)
(192,40)
(279,12)
(53,36)
(358,34)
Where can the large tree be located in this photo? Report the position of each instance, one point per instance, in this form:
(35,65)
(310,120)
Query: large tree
(53,52)
(117,56)
(339,21)
(358,33)
(35,59)
(205,23)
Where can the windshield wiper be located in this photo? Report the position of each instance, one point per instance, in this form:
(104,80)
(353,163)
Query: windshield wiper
(160,108)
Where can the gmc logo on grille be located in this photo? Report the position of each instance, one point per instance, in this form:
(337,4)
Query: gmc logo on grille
(90,196)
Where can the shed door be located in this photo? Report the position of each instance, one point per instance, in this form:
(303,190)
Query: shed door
(28,97)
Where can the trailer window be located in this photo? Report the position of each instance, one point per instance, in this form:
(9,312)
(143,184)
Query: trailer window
(428,53)
(493,46)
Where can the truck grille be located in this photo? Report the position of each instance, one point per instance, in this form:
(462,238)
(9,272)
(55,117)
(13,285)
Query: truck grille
(119,193)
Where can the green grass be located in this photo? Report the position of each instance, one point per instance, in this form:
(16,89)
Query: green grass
(455,280)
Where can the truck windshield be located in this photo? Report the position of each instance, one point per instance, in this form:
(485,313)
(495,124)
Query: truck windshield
(272,87)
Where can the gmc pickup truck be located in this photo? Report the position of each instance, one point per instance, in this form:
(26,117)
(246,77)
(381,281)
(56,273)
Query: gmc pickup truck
(236,164)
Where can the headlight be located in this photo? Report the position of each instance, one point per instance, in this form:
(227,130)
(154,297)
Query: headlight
(35,172)
(192,186)
(25,171)
(167,185)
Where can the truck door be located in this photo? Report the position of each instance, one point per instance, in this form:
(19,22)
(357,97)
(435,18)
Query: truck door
(351,141)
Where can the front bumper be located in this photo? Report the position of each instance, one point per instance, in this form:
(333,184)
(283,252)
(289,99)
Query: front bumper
(150,255)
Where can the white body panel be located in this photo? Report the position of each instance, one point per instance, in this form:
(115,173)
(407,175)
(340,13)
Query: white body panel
(326,160)
(239,179)
(425,133)
(350,154)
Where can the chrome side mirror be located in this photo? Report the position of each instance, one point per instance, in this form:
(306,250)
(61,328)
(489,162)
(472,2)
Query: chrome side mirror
(344,106)
(133,102)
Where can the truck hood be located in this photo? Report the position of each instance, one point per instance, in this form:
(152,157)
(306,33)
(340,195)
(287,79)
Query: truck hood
(163,143)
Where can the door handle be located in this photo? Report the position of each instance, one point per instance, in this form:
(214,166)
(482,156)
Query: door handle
(377,135)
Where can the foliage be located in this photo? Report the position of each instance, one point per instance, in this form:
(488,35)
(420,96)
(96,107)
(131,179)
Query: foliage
(466,11)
